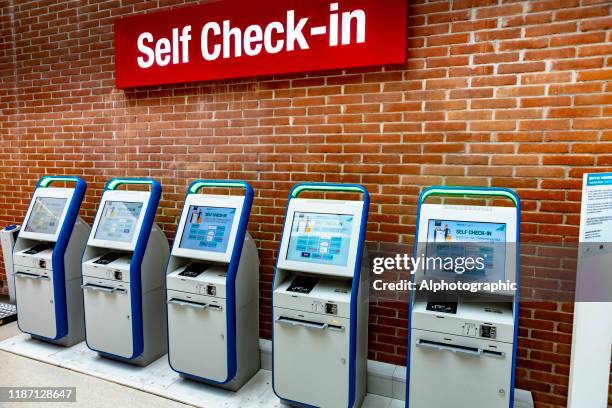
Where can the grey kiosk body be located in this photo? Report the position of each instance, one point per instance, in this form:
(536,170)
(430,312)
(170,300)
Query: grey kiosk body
(46,263)
(213,289)
(462,345)
(123,276)
(320,300)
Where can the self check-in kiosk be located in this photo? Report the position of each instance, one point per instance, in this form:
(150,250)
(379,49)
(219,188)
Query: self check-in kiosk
(320,300)
(462,344)
(213,288)
(123,272)
(46,262)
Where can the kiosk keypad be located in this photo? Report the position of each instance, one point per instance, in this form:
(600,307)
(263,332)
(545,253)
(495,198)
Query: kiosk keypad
(489,332)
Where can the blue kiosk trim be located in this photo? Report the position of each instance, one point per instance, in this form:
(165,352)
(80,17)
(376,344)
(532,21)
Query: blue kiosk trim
(135,264)
(344,188)
(59,250)
(232,271)
(470,191)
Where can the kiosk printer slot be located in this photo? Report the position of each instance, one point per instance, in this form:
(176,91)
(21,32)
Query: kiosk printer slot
(213,289)
(123,272)
(46,261)
(320,300)
(462,345)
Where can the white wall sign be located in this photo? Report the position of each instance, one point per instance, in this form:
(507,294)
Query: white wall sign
(592,332)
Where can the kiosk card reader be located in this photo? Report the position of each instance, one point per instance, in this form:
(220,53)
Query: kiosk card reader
(320,300)
(462,345)
(123,272)
(46,263)
(213,289)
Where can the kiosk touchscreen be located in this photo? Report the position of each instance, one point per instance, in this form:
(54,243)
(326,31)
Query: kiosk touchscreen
(46,259)
(320,300)
(123,271)
(213,289)
(462,344)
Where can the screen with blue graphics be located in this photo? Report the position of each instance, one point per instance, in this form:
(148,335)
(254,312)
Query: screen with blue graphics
(460,240)
(118,221)
(320,238)
(466,231)
(207,228)
(45,215)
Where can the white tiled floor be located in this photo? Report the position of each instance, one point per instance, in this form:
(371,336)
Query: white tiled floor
(157,379)
(92,392)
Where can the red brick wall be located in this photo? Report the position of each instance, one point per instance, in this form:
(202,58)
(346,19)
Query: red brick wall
(494,93)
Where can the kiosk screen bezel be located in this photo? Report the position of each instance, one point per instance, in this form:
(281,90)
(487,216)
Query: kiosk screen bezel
(208,200)
(124,196)
(476,214)
(332,207)
(47,192)
(290,255)
(99,232)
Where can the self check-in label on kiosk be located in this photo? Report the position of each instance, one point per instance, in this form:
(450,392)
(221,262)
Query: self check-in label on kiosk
(241,38)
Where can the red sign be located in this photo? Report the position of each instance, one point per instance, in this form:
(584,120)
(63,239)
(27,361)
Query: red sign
(246,38)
